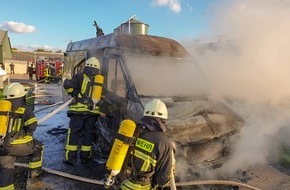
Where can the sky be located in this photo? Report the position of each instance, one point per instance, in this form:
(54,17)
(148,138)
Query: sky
(53,24)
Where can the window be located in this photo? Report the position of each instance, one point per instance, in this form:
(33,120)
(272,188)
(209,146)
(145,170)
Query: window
(116,81)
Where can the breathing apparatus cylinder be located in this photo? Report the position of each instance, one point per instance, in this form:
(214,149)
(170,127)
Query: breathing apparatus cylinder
(5,107)
(120,148)
(97,89)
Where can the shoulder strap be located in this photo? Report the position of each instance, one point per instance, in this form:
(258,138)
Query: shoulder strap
(128,165)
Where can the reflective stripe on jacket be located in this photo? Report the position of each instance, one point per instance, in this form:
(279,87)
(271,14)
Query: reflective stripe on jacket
(24,124)
(47,72)
(9,187)
(152,158)
(82,95)
(129,185)
(22,140)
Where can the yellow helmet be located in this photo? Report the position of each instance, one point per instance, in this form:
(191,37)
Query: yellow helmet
(93,62)
(14,90)
(156,108)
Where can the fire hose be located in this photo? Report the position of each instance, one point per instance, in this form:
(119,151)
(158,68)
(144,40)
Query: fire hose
(178,184)
(172,184)
(49,106)
(63,174)
(54,111)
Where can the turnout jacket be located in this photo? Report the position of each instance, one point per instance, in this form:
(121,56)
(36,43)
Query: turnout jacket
(23,121)
(80,88)
(152,155)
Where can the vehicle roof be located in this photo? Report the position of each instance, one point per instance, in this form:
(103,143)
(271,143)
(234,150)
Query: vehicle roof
(138,43)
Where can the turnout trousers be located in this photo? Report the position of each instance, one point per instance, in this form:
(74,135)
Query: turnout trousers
(81,129)
(33,149)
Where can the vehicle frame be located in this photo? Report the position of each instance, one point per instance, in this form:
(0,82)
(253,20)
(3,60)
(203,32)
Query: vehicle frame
(202,134)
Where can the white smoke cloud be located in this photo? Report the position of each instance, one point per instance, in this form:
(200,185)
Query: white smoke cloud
(251,57)
(261,138)
(16,27)
(249,63)
(174,5)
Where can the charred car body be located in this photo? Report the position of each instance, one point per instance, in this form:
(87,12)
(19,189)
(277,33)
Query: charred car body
(138,67)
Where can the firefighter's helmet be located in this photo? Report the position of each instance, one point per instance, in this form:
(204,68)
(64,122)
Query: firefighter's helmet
(156,108)
(93,62)
(14,90)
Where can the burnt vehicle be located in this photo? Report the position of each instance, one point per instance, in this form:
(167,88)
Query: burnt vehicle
(138,67)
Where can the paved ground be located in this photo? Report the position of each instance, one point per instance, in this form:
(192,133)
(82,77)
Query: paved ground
(54,144)
(23,78)
(263,177)
(268,178)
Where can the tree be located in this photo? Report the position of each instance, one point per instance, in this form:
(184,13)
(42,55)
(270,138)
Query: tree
(39,50)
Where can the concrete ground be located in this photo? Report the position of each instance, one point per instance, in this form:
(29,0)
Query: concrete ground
(263,177)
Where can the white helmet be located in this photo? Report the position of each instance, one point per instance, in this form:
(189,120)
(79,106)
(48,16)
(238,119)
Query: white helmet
(156,108)
(14,90)
(93,62)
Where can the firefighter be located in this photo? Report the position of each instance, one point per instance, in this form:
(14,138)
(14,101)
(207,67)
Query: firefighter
(59,74)
(19,140)
(47,73)
(153,152)
(30,71)
(83,112)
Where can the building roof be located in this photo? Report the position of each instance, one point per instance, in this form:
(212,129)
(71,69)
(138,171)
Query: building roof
(2,36)
(5,46)
(33,56)
(22,55)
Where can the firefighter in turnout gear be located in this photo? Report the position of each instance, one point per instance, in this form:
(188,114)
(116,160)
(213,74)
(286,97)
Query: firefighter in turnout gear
(18,140)
(83,111)
(48,74)
(153,152)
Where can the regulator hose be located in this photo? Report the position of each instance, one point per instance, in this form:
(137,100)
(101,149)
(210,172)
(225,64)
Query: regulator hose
(99,182)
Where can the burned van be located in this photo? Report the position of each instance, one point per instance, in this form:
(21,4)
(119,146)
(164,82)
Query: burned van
(138,67)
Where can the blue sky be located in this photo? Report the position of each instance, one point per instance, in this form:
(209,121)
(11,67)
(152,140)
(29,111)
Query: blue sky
(51,24)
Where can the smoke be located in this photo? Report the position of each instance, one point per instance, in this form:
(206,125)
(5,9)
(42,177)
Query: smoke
(248,62)
(251,56)
(261,137)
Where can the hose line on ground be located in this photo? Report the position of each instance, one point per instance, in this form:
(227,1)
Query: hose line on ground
(216,182)
(49,106)
(63,174)
(178,184)
(54,111)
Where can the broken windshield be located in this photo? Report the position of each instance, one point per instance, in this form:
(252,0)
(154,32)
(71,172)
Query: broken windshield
(163,76)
